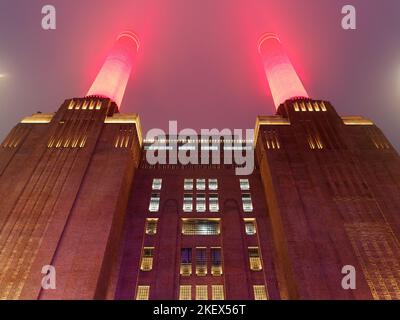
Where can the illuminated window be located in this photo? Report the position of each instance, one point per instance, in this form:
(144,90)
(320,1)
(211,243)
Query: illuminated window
(201,184)
(186,261)
(323,107)
(151,226)
(147,259)
(250,226)
(216,261)
(213,202)
(272,140)
(157,183)
(255,259)
(314,141)
(201,292)
(143,293)
(244,184)
(217,292)
(200,202)
(154,202)
(247,203)
(200,227)
(188,184)
(185,293)
(212,184)
(187,202)
(201,261)
(260,293)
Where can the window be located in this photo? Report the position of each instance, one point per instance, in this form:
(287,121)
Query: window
(187,202)
(147,259)
(186,261)
(216,261)
(157,184)
(255,260)
(217,292)
(154,202)
(200,227)
(272,140)
(200,202)
(244,184)
(201,292)
(185,293)
(260,293)
(188,184)
(151,226)
(143,293)
(201,184)
(247,204)
(212,184)
(201,261)
(213,202)
(250,226)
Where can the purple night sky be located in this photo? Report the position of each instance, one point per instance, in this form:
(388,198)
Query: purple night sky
(198,62)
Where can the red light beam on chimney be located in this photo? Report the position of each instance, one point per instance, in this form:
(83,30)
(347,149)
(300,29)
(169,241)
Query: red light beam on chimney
(112,79)
(283,80)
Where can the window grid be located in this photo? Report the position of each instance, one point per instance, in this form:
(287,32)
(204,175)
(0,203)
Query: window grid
(188,184)
(201,184)
(217,292)
(255,259)
(147,259)
(213,184)
(157,183)
(151,226)
(154,202)
(244,184)
(199,227)
(201,292)
(185,292)
(187,202)
(186,262)
(247,203)
(200,202)
(250,226)
(216,261)
(260,292)
(201,261)
(213,202)
(143,293)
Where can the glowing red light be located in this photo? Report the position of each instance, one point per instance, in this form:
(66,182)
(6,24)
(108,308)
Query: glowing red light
(113,77)
(282,77)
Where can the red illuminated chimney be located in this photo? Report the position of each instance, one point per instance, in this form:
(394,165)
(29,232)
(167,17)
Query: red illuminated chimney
(113,77)
(283,80)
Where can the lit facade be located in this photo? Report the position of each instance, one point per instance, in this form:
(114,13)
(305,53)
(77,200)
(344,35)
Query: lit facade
(78,193)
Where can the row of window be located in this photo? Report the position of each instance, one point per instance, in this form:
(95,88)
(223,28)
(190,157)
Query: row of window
(213,204)
(310,106)
(201,262)
(203,292)
(146,263)
(199,227)
(216,261)
(188,184)
(200,184)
